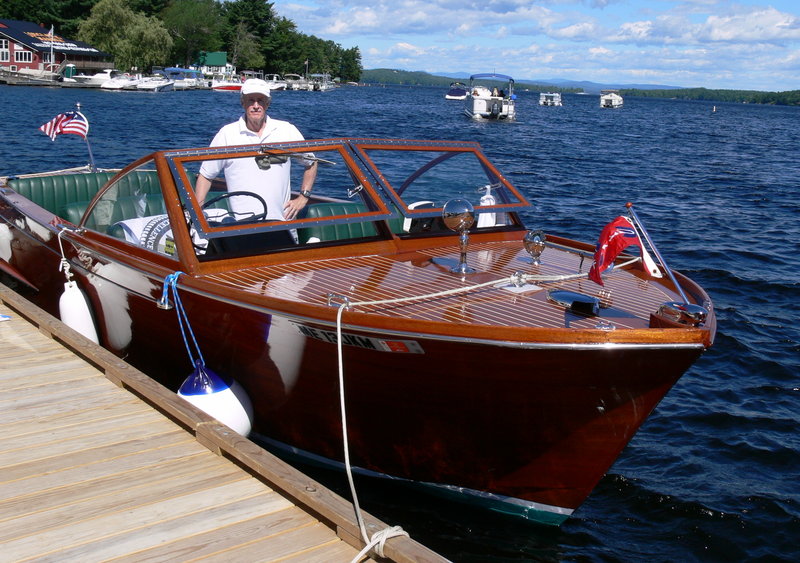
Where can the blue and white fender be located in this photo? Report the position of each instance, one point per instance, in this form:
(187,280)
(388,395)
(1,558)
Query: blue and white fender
(226,402)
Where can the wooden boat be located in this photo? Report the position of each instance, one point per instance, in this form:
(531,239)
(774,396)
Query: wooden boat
(476,357)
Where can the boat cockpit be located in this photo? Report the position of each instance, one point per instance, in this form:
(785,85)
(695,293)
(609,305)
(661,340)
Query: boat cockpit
(366,190)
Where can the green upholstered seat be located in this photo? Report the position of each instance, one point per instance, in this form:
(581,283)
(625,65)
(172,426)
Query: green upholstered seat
(56,193)
(340,231)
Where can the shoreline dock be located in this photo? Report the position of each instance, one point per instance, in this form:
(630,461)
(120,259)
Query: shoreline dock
(101,462)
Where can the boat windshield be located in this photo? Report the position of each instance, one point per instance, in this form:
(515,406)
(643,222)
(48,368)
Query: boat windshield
(365,190)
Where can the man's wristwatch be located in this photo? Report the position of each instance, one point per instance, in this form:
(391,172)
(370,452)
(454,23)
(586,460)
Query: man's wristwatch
(306,194)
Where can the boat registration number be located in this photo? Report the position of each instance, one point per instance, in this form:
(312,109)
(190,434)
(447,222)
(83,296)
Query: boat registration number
(360,341)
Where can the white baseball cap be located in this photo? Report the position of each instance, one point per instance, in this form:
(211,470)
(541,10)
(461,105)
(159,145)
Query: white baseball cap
(255,86)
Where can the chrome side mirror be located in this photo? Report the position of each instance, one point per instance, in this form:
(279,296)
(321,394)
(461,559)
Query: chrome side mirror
(459,215)
(534,245)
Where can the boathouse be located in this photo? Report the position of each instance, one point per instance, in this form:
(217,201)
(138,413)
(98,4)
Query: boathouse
(30,46)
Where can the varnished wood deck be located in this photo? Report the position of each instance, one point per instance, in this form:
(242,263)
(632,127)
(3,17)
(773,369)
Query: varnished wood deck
(91,471)
(374,277)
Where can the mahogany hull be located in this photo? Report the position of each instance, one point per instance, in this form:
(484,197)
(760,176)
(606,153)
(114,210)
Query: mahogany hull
(539,424)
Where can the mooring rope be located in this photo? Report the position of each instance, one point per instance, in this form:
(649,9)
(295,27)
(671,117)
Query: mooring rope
(64,263)
(171,283)
(378,539)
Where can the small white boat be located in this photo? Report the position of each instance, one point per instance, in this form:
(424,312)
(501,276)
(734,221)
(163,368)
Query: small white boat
(486,101)
(91,81)
(121,82)
(457,91)
(321,82)
(610,99)
(275,82)
(183,78)
(226,83)
(156,84)
(550,99)
(296,82)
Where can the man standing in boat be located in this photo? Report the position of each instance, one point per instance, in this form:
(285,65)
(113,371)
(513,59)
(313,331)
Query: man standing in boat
(272,183)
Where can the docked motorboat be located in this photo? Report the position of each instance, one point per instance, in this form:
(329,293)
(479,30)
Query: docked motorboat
(183,78)
(550,99)
(226,83)
(297,82)
(408,312)
(490,96)
(321,82)
(121,82)
(457,91)
(156,83)
(610,99)
(91,80)
(275,82)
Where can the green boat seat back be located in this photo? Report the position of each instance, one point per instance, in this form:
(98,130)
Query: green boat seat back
(56,193)
(340,231)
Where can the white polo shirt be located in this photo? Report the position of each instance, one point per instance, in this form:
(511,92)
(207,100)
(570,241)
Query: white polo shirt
(243,174)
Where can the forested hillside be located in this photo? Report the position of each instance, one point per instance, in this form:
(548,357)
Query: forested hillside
(143,33)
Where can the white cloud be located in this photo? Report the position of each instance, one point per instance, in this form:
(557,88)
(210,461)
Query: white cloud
(694,42)
(767,25)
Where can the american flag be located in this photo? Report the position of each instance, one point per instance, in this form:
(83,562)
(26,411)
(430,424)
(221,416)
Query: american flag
(72,122)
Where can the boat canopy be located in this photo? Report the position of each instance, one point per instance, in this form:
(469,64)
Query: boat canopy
(491,76)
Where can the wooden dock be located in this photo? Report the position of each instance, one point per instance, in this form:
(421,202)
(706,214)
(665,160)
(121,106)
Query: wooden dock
(99,462)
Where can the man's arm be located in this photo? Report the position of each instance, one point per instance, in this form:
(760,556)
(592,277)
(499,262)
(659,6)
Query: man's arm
(201,187)
(292,207)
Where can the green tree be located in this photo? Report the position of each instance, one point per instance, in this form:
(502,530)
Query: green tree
(146,43)
(194,25)
(134,39)
(350,68)
(282,48)
(258,15)
(37,11)
(64,15)
(245,51)
(148,7)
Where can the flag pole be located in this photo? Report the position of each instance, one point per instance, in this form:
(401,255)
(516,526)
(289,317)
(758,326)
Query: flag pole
(88,145)
(51,48)
(661,260)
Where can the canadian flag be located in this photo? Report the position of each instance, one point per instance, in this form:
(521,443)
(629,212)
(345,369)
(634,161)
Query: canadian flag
(614,238)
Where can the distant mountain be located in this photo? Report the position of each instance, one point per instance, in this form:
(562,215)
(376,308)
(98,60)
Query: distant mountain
(441,80)
(585,85)
(420,78)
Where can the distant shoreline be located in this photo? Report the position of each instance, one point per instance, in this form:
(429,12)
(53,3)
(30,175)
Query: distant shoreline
(384,76)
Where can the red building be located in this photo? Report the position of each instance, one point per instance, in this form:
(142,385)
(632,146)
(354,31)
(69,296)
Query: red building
(26,45)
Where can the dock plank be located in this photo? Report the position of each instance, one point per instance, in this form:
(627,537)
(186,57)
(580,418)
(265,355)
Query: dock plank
(157,476)
(226,539)
(90,470)
(95,506)
(37,482)
(298,542)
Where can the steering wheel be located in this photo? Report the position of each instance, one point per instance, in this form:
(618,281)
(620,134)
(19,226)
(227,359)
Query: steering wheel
(227,195)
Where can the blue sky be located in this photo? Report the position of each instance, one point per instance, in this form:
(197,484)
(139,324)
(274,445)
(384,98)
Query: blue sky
(751,45)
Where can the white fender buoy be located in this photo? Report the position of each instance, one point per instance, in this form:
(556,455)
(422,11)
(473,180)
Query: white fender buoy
(227,403)
(73,308)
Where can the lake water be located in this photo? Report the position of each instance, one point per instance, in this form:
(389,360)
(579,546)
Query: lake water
(714,473)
